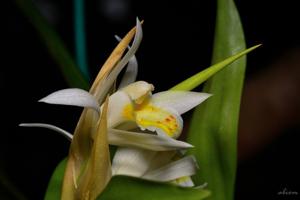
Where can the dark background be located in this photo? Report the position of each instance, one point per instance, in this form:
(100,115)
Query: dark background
(177,43)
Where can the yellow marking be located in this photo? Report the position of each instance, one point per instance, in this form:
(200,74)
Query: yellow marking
(142,105)
(128,112)
(151,116)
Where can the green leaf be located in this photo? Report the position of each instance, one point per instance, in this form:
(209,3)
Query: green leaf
(54,45)
(55,184)
(195,80)
(213,129)
(125,188)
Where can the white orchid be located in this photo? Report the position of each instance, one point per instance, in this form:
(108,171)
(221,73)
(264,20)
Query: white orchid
(134,106)
(151,153)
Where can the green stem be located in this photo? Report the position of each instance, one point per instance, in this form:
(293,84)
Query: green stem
(80,38)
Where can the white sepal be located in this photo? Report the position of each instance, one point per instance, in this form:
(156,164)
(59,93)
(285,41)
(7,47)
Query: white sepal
(131,70)
(66,134)
(186,166)
(131,161)
(72,97)
(116,113)
(130,73)
(181,101)
(121,64)
(145,141)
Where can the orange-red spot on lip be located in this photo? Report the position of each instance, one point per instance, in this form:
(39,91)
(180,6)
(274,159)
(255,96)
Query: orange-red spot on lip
(168,119)
(172,117)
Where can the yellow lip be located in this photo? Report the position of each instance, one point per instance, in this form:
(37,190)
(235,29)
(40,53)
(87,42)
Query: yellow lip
(158,118)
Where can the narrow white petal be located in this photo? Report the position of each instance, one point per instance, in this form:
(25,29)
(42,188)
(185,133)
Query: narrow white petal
(131,70)
(186,166)
(130,73)
(72,97)
(145,141)
(121,64)
(131,161)
(66,134)
(181,101)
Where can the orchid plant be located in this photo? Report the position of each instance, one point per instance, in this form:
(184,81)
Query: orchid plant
(144,126)
(152,156)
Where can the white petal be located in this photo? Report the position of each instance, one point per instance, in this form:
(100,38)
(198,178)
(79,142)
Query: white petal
(181,101)
(66,134)
(186,166)
(72,97)
(131,70)
(145,141)
(131,161)
(119,109)
(121,64)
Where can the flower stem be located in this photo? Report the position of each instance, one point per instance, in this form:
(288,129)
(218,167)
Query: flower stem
(80,38)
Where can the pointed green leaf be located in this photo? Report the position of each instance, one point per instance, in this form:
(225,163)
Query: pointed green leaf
(54,45)
(125,188)
(213,129)
(197,79)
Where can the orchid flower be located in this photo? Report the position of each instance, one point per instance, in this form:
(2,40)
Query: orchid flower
(134,106)
(152,156)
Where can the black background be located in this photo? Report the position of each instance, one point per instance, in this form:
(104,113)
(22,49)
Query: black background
(177,43)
